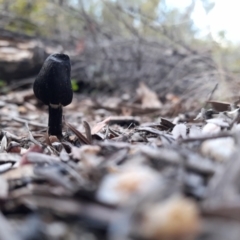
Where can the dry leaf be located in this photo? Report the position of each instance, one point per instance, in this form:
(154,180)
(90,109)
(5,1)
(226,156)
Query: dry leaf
(219,106)
(13,147)
(120,120)
(87,131)
(53,139)
(176,218)
(119,187)
(148,98)
(99,126)
(80,136)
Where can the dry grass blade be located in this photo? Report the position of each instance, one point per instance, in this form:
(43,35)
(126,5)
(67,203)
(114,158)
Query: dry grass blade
(30,136)
(87,131)
(80,136)
(211,94)
(99,126)
(119,120)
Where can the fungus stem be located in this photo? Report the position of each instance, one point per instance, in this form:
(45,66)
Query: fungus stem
(55,121)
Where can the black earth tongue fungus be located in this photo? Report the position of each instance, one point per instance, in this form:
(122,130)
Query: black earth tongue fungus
(53,87)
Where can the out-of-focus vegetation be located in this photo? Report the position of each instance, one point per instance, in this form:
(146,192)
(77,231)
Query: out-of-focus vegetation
(67,18)
(76,22)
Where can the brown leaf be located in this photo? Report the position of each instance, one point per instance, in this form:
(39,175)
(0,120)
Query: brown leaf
(166,123)
(13,147)
(149,98)
(220,106)
(176,218)
(53,139)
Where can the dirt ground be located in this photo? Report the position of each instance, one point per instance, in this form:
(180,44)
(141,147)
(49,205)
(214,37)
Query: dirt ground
(126,168)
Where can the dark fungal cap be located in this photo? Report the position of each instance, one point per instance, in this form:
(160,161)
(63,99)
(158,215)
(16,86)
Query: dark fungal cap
(58,57)
(53,84)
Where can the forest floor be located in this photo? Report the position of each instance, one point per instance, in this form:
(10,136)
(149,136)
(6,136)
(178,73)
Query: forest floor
(124,169)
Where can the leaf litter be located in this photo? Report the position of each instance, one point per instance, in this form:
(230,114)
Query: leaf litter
(125,170)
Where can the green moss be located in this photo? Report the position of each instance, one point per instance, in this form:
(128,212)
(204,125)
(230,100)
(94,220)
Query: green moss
(74,85)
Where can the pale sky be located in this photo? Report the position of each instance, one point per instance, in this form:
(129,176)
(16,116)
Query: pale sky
(224,16)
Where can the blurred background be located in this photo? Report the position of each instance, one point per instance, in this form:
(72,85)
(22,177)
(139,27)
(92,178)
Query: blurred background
(175,47)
